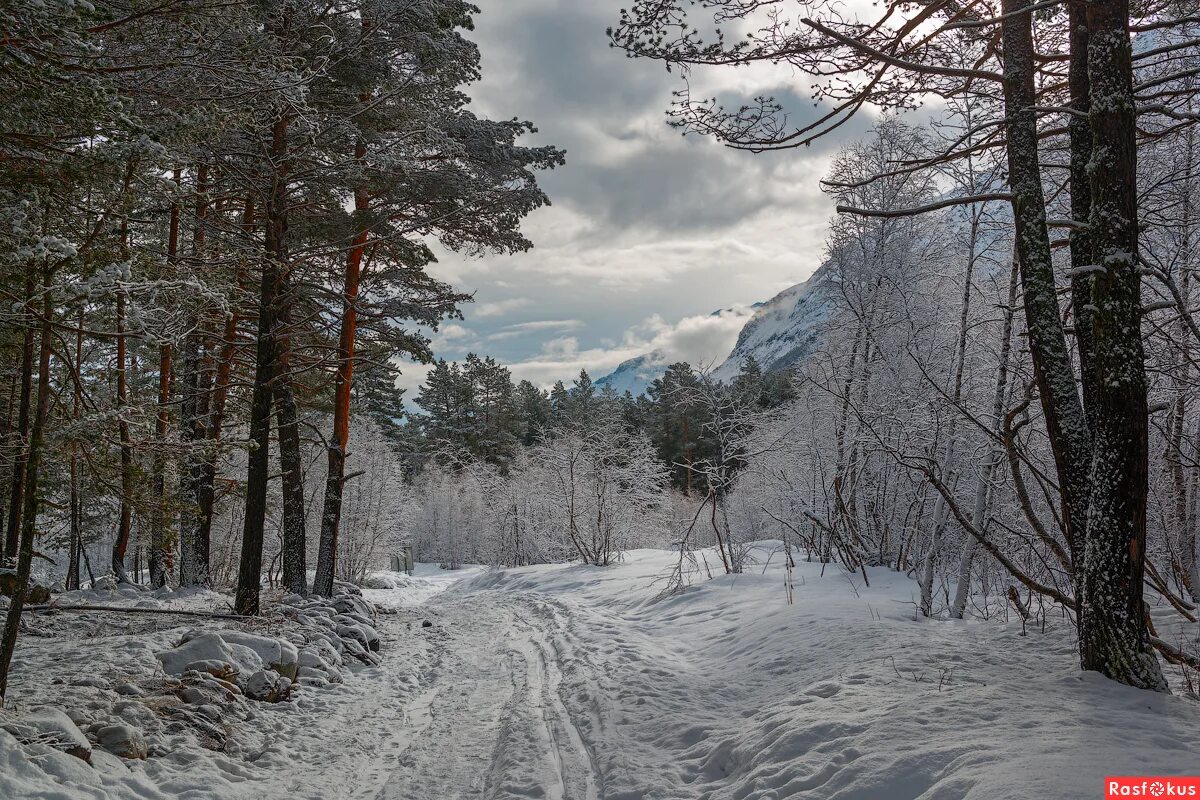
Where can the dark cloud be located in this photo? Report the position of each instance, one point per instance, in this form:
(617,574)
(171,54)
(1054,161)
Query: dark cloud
(647,225)
(550,61)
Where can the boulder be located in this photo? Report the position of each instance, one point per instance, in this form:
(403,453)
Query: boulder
(122,740)
(208,652)
(314,664)
(92,681)
(268,686)
(278,654)
(51,727)
(68,770)
(365,635)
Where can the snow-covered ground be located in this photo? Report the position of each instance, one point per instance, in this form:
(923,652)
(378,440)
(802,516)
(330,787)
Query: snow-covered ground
(580,683)
(388,589)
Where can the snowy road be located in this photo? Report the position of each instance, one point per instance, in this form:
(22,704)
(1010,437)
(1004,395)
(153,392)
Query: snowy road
(573,683)
(489,720)
(566,682)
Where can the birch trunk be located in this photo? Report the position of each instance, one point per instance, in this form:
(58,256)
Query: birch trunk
(979,507)
(941,511)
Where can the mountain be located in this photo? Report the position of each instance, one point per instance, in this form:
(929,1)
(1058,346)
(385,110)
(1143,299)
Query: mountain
(786,329)
(635,374)
(783,331)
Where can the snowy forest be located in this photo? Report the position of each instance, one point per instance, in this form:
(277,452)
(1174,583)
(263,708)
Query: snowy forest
(929,529)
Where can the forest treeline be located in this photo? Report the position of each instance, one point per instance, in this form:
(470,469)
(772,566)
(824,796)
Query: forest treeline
(510,474)
(216,223)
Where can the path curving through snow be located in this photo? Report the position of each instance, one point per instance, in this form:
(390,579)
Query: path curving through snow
(573,683)
(496,725)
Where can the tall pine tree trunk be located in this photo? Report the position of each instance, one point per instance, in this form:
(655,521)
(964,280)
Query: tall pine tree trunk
(208,423)
(1112,625)
(75,503)
(7,458)
(291,458)
(191,571)
(336,474)
(32,459)
(160,539)
(273,263)
(125,512)
(193,555)
(16,497)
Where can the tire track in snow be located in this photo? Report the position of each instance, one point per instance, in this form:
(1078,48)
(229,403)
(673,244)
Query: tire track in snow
(573,760)
(496,726)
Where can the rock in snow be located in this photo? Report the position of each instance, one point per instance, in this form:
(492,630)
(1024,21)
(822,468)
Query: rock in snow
(51,727)
(278,654)
(124,709)
(122,740)
(208,652)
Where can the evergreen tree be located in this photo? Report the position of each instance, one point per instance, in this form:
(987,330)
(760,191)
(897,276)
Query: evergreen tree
(533,412)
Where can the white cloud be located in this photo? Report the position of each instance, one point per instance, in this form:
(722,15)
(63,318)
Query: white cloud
(525,328)
(410,379)
(452,331)
(498,308)
(452,336)
(563,347)
(546,325)
(703,340)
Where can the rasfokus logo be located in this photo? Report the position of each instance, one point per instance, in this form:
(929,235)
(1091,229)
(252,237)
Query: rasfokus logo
(1117,786)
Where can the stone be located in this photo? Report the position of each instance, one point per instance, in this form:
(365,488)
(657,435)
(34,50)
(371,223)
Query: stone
(8,582)
(279,654)
(123,741)
(207,652)
(268,686)
(51,727)
(94,681)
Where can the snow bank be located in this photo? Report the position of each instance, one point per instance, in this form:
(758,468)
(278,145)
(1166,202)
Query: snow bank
(139,708)
(726,690)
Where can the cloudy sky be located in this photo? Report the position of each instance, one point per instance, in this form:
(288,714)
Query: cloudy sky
(650,232)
